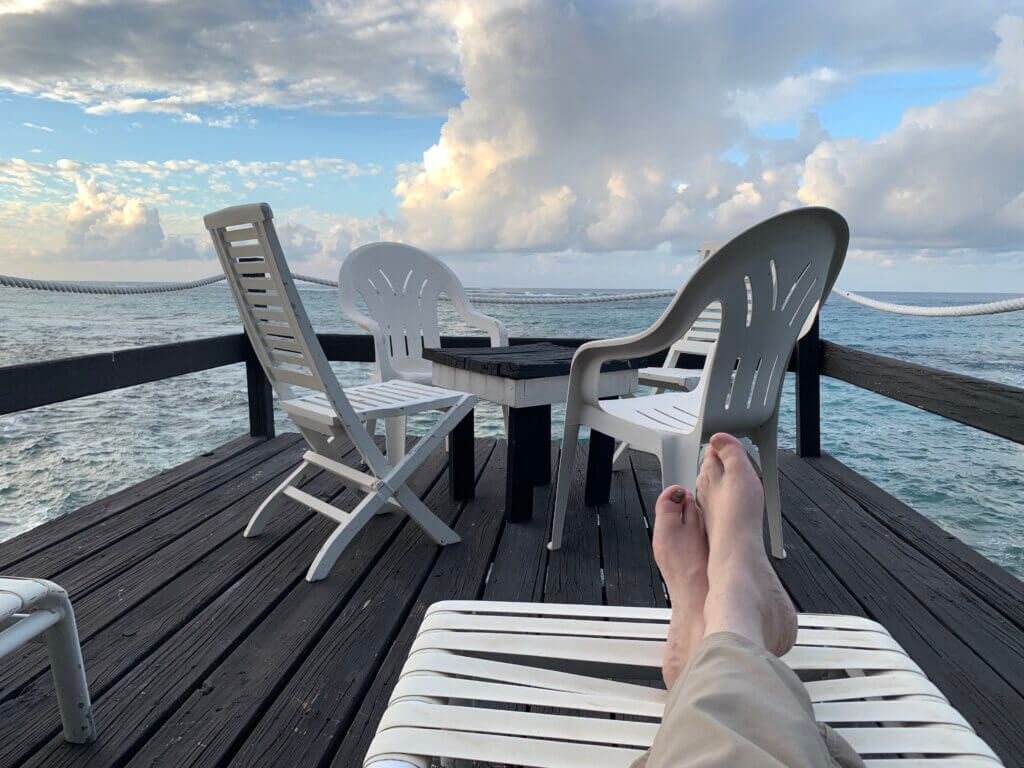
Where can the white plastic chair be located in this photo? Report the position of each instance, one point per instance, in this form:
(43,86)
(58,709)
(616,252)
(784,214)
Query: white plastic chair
(472,663)
(698,339)
(34,608)
(401,287)
(307,389)
(769,281)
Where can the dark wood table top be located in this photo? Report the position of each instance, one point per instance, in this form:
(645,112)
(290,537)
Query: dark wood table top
(521,361)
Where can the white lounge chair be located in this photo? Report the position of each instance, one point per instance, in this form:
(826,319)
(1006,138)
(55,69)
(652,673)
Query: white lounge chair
(33,608)
(401,287)
(769,281)
(471,662)
(307,389)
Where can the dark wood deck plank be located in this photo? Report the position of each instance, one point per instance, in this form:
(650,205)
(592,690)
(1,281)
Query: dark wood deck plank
(220,485)
(114,650)
(62,528)
(574,570)
(631,576)
(988,632)
(208,726)
(973,686)
(204,648)
(517,573)
(1000,589)
(270,610)
(456,572)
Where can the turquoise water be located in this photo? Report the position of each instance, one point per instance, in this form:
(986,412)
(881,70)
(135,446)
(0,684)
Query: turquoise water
(57,458)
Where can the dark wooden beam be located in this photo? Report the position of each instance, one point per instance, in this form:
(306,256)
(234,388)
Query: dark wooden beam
(53,381)
(994,408)
(261,398)
(807,359)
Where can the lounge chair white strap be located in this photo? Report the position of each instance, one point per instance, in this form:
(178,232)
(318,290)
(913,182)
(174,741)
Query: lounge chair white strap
(282,337)
(31,609)
(471,661)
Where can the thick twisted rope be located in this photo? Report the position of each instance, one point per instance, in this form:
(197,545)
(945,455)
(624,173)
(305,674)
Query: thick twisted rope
(962,310)
(112,289)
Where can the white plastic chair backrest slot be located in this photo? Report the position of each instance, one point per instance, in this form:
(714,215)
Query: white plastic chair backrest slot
(784,267)
(272,312)
(401,287)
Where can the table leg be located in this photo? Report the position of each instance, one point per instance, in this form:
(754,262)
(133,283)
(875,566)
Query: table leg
(599,469)
(542,455)
(525,427)
(461,466)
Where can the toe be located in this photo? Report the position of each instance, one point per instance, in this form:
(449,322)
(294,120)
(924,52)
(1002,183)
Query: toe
(728,449)
(669,506)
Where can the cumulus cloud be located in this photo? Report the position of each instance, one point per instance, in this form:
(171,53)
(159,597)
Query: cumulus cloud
(610,131)
(107,226)
(948,176)
(121,56)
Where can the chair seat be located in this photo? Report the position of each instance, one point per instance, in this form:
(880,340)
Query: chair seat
(665,413)
(471,660)
(681,379)
(372,401)
(21,595)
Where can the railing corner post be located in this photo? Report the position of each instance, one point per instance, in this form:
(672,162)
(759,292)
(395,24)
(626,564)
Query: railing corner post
(261,396)
(808,393)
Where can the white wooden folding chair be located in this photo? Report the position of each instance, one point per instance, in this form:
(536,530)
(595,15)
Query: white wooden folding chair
(33,609)
(307,389)
(769,282)
(473,662)
(401,287)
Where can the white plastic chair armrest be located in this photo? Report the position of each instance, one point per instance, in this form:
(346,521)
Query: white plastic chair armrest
(372,327)
(477,319)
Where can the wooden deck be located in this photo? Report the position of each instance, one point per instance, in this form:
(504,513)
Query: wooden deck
(207,649)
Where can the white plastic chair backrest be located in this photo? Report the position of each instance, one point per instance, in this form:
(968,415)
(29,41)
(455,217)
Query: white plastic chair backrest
(401,287)
(769,281)
(787,265)
(274,317)
(701,336)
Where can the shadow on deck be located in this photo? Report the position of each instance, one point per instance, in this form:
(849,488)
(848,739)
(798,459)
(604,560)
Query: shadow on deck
(206,649)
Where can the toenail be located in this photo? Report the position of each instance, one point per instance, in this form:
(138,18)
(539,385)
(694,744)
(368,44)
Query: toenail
(677,497)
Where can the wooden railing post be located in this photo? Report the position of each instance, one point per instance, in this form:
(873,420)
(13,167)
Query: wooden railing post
(261,398)
(808,393)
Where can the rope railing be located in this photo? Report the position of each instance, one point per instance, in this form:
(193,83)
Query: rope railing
(118,289)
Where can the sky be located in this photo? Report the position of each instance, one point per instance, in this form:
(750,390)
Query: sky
(529,143)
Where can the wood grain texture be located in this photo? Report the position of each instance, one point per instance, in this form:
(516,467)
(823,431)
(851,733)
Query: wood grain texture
(207,649)
(994,408)
(518,361)
(62,528)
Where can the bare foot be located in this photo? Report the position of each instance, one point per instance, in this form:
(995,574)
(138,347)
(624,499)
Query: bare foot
(744,596)
(681,552)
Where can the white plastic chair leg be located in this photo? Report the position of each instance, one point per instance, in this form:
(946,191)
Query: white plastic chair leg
(69,677)
(394,438)
(342,536)
(679,463)
(566,465)
(621,457)
(371,426)
(767,450)
(434,526)
(262,515)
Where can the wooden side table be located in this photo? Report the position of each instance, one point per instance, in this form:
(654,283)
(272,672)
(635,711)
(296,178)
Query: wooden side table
(528,378)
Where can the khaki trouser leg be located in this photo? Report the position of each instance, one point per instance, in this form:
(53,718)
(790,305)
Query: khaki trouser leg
(738,705)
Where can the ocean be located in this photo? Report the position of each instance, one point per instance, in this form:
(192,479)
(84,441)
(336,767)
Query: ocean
(57,458)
